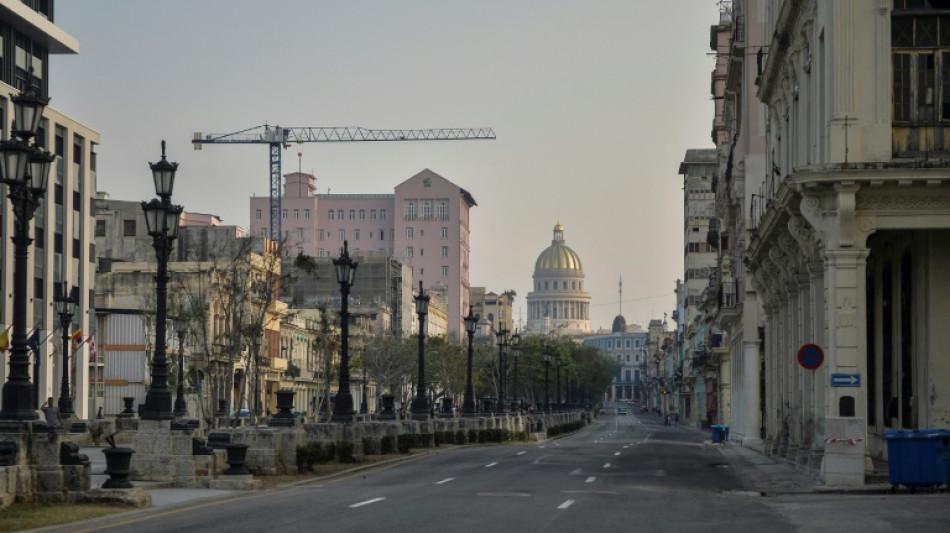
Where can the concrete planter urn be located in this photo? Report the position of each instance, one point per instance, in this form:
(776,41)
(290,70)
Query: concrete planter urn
(129,410)
(118,466)
(389,408)
(237,457)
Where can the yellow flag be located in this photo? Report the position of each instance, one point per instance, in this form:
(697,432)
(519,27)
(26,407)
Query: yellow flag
(5,340)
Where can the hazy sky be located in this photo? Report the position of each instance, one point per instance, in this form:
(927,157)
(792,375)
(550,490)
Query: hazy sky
(594,104)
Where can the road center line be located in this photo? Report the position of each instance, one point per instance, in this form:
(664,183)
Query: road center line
(606,465)
(446,480)
(566,504)
(489,465)
(590,479)
(616,453)
(367,502)
(521,453)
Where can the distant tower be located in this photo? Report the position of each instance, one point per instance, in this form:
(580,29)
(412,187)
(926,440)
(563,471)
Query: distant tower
(620,323)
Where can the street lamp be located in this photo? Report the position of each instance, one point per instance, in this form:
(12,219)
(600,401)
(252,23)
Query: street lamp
(24,168)
(65,307)
(181,408)
(162,219)
(345,276)
(557,364)
(546,354)
(502,335)
(468,404)
(515,352)
(256,376)
(420,404)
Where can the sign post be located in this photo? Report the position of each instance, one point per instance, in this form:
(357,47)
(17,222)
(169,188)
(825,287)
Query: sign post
(811,356)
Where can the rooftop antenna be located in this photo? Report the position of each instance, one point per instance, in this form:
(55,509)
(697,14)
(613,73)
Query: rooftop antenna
(620,294)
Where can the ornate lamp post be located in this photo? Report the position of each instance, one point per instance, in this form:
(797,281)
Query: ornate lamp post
(345,275)
(557,364)
(468,404)
(364,405)
(515,352)
(420,404)
(162,219)
(546,354)
(502,335)
(65,307)
(24,168)
(181,407)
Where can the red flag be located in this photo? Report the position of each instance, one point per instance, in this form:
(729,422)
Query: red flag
(77,335)
(92,349)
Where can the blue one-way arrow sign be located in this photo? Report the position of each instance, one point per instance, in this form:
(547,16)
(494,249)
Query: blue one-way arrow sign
(846,380)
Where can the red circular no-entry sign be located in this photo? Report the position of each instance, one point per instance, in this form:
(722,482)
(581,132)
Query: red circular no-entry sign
(811,356)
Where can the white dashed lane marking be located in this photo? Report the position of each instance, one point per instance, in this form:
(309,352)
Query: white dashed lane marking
(367,502)
(566,504)
(446,480)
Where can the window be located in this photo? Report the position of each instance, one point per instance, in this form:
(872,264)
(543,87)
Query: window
(445,271)
(356,235)
(369,235)
(258,214)
(422,251)
(342,235)
(299,233)
(442,209)
(299,251)
(339,214)
(382,235)
(409,210)
(100,228)
(445,251)
(283,214)
(362,214)
(920,68)
(445,233)
(264,232)
(306,214)
(320,253)
(372,214)
(382,214)
(330,214)
(426,209)
(352,214)
(409,251)
(296,214)
(408,233)
(319,234)
(128,227)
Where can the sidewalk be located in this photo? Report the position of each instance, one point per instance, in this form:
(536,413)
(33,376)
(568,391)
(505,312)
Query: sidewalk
(163,493)
(773,475)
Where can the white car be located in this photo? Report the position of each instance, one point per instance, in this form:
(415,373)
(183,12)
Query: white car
(621,410)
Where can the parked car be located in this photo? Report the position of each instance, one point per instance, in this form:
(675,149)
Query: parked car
(621,410)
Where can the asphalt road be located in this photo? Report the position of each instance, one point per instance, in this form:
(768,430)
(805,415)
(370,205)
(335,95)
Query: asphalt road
(623,473)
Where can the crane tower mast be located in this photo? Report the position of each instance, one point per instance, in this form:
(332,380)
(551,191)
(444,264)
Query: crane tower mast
(277,138)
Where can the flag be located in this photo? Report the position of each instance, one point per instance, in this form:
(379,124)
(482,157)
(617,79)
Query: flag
(77,335)
(92,348)
(34,342)
(5,340)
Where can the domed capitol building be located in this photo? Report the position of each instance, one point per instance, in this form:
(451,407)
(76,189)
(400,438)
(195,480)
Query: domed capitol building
(558,302)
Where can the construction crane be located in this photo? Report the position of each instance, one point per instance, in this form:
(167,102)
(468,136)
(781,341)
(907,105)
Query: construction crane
(278,137)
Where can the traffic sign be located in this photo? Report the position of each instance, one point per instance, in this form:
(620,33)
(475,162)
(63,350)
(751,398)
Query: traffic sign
(846,380)
(811,356)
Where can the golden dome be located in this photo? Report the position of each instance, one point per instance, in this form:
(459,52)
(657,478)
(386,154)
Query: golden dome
(558,256)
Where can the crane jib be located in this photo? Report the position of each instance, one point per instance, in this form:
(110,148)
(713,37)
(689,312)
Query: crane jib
(277,137)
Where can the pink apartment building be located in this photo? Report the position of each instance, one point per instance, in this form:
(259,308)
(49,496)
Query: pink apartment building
(424,224)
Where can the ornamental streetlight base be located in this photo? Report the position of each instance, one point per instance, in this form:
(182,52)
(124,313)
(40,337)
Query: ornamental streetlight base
(18,401)
(420,408)
(158,406)
(65,404)
(343,408)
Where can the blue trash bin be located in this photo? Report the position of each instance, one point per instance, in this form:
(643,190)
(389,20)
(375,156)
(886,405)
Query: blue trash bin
(720,433)
(918,458)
